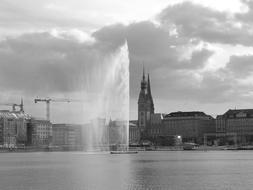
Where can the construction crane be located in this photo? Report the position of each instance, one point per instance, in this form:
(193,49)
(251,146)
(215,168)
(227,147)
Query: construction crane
(48,100)
(14,105)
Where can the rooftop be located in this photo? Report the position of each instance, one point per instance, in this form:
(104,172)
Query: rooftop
(185,114)
(14,114)
(237,113)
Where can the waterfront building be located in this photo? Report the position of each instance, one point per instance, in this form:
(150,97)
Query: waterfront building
(39,132)
(68,136)
(190,126)
(99,133)
(18,129)
(155,128)
(13,125)
(134,133)
(236,125)
(117,132)
(164,129)
(220,124)
(95,135)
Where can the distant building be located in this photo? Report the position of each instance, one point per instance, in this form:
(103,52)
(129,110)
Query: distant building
(68,136)
(164,129)
(20,129)
(191,126)
(118,132)
(95,135)
(13,125)
(236,124)
(220,124)
(134,133)
(156,126)
(39,132)
(99,133)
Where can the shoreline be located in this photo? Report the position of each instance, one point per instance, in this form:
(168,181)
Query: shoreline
(139,149)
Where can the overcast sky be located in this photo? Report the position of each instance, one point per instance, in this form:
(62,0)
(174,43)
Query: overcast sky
(199,53)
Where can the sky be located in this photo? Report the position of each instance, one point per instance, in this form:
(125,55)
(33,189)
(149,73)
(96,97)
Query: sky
(198,53)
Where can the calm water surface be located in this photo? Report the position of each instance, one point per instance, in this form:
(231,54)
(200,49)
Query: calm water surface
(175,170)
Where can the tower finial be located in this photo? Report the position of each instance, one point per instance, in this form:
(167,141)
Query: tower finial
(149,89)
(150,95)
(22,105)
(143,75)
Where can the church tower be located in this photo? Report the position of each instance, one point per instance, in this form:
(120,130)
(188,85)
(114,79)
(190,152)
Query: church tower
(149,102)
(142,116)
(145,103)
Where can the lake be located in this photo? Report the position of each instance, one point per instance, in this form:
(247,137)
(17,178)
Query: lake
(175,170)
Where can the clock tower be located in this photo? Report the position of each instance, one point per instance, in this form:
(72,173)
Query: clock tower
(145,104)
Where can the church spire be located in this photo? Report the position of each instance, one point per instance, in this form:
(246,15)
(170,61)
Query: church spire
(145,103)
(149,95)
(22,105)
(143,74)
(143,82)
(149,89)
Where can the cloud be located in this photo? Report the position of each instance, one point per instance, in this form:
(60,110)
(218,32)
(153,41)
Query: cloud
(182,28)
(42,62)
(247,16)
(240,66)
(58,62)
(197,60)
(161,53)
(175,51)
(110,37)
(36,16)
(200,22)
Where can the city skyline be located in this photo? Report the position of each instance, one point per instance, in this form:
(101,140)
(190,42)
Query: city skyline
(195,63)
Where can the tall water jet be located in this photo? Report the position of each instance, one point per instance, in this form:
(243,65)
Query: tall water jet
(110,103)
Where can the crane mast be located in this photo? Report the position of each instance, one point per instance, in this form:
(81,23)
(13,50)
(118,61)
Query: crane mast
(47,101)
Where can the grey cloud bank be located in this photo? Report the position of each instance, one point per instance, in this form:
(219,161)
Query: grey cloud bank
(175,51)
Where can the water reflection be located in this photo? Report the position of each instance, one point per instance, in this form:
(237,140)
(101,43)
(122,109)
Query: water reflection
(145,170)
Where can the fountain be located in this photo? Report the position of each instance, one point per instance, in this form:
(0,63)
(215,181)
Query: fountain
(109,128)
